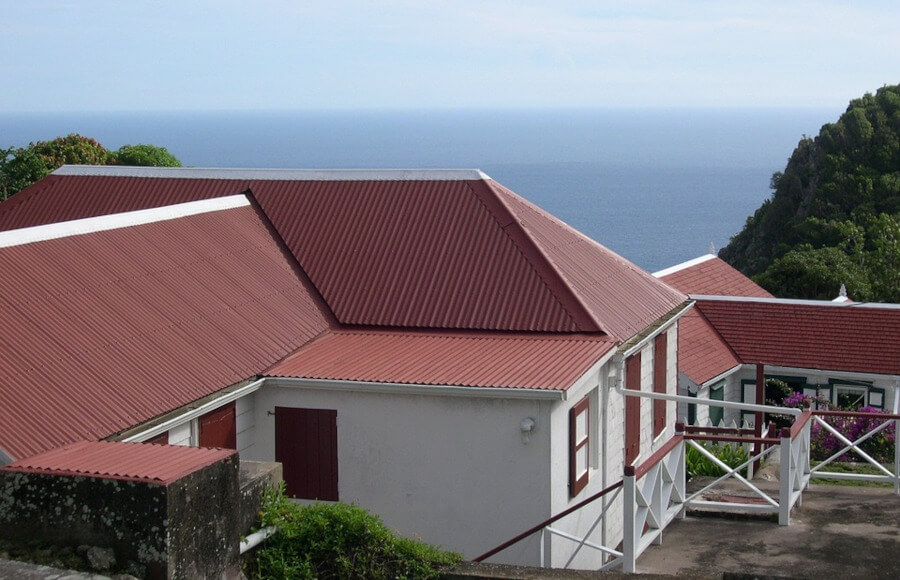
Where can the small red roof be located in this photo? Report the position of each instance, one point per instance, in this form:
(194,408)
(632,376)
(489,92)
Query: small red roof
(155,464)
(702,354)
(471,359)
(105,330)
(710,275)
(853,337)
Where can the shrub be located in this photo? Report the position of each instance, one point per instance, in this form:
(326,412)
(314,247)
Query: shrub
(698,465)
(823,443)
(338,541)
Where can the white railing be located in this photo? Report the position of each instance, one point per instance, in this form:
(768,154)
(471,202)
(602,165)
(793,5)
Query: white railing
(654,496)
(583,542)
(885,475)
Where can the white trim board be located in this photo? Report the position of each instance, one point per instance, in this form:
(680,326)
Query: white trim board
(275,174)
(120,220)
(684,265)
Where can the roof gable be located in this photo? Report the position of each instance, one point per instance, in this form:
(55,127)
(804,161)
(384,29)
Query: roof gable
(710,275)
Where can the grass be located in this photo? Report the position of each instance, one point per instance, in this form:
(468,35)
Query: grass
(844,467)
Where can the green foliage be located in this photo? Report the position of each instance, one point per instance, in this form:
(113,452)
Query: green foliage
(22,166)
(835,205)
(338,541)
(698,465)
(146,156)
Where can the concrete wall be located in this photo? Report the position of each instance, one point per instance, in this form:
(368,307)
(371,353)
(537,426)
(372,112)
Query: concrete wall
(186,529)
(453,471)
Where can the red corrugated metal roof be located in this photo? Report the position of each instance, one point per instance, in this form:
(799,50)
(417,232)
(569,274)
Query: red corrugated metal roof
(105,330)
(452,253)
(156,464)
(803,334)
(702,354)
(472,359)
(621,297)
(711,276)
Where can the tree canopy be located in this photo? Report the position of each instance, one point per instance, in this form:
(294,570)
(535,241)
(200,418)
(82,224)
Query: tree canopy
(22,166)
(834,216)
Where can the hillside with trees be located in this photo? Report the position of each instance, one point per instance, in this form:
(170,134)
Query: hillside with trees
(22,166)
(834,216)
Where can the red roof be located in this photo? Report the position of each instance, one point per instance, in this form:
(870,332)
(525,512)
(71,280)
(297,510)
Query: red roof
(426,249)
(702,354)
(845,336)
(711,276)
(105,330)
(156,464)
(473,359)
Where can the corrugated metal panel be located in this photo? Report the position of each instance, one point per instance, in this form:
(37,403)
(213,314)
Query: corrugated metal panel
(103,331)
(412,254)
(157,464)
(702,353)
(476,359)
(714,277)
(624,298)
(424,253)
(828,336)
(59,198)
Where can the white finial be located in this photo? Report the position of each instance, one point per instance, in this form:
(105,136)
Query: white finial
(843,291)
(712,248)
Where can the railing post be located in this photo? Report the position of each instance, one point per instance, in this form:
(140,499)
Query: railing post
(629,531)
(897,451)
(543,540)
(786,480)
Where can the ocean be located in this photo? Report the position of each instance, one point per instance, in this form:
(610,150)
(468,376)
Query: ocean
(657,186)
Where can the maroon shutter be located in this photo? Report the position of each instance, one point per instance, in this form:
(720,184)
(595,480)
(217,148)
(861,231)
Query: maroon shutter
(660,345)
(632,409)
(579,444)
(306,446)
(218,428)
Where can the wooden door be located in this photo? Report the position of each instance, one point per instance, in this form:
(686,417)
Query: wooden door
(218,428)
(306,446)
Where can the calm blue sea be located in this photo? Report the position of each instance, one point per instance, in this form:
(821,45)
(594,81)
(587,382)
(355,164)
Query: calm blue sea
(657,186)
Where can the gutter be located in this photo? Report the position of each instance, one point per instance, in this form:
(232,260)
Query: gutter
(194,413)
(417,389)
(632,347)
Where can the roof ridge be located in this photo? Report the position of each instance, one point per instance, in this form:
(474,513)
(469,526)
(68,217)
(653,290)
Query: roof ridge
(274,174)
(115,221)
(571,302)
(795,301)
(684,265)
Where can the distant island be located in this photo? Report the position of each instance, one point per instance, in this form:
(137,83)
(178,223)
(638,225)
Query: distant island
(834,217)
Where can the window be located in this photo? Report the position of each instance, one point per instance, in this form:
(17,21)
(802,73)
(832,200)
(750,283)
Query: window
(579,445)
(660,344)
(218,428)
(716,414)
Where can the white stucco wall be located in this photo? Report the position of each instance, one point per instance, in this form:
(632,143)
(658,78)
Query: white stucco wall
(451,470)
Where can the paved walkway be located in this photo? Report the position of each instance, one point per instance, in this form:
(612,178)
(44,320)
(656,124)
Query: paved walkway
(839,532)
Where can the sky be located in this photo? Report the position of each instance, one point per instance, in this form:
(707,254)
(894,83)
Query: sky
(419,54)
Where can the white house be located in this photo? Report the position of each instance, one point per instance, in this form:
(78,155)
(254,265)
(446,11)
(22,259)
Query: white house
(426,344)
(845,352)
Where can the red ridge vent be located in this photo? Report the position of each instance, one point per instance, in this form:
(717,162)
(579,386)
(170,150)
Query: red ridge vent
(159,464)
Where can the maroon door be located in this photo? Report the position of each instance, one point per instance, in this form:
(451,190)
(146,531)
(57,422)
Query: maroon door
(306,446)
(218,428)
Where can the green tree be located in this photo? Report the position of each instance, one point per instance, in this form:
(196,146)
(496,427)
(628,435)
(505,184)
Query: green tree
(145,156)
(838,192)
(817,273)
(22,166)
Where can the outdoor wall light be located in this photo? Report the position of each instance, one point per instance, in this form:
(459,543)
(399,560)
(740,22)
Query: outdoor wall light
(526,427)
